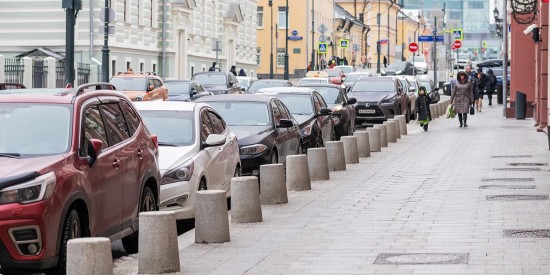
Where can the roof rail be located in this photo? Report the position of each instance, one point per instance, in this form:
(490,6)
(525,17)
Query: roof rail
(94,86)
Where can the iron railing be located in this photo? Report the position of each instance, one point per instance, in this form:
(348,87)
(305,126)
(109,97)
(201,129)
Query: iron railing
(83,73)
(39,74)
(13,70)
(60,74)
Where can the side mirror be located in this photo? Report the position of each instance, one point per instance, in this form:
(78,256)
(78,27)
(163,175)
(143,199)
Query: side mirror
(285,123)
(324,112)
(150,88)
(352,100)
(214,140)
(94,149)
(193,92)
(435,89)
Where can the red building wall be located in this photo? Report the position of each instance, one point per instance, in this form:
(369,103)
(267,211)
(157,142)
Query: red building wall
(541,102)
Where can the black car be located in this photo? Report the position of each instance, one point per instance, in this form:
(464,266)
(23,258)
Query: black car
(218,82)
(310,110)
(343,111)
(267,83)
(378,99)
(266,131)
(399,68)
(185,90)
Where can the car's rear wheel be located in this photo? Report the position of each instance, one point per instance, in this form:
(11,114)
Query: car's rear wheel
(147,203)
(72,229)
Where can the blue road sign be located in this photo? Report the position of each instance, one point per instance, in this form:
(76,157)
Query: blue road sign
(430,38)
(323,47)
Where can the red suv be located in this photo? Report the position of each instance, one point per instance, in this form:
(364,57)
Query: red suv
(73,163)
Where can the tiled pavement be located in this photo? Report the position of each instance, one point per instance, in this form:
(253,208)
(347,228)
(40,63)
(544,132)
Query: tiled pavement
(420,195)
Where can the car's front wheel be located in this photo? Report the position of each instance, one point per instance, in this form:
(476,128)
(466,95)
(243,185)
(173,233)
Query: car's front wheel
(147,203)
(72,229)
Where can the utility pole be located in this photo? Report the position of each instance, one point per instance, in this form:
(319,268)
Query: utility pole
(270,3)
(313,59)
(71,11)
(435,51)
(378,42)
(286,74)
(389,9)
(105,50)
(447,47)
(504,58)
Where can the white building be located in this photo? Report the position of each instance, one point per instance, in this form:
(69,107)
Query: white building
(141,40)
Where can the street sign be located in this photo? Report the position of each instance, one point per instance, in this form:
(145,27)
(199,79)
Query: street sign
(323,47)
(458,34)
(453,47)
(458,44)
(111,15)
(413,47)
(430,38)
(322,28)
(484,44)
(322,38)
(344,43)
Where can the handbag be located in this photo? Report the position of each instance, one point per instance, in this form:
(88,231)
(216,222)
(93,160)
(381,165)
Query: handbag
(472,110)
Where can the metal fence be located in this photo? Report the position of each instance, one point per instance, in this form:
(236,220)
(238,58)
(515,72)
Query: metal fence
(83,73)
(13,70)
(39,74)
(60,74)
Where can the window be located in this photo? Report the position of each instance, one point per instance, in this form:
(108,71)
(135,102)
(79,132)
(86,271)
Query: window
(154,68)
(258,56)
(217,123)
(282,18)
(141,67)
(280,57)
(117,129)
(475,5)
(127,6)
(285,114)
(276,113)
(151,12)
(131,117)
(128,65)
(260,14)
(113,67)
(92,128)
(157,83)
(206,127)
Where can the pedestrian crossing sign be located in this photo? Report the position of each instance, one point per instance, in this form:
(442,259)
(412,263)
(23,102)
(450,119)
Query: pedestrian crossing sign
(344,43)
(458,34)
(323,47)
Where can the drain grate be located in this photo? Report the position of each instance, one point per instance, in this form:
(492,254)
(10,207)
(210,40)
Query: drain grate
(517,197)
(421,258)
(507,187)
(513,156)
(517,169)
(527,164)
(527,233)
(508,179)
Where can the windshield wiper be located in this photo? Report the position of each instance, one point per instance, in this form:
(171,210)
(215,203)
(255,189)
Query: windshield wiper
(167,144)
(10,155)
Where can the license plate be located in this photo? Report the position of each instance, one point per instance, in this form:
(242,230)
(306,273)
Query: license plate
(368,111)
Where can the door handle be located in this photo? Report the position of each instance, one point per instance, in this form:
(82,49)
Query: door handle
(116,163)
(140,154)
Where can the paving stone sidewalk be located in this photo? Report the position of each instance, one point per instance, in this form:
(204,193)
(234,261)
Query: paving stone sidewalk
(425,194)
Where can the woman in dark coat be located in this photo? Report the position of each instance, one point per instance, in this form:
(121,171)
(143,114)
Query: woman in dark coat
(233,70)
(491,85)
(242,73)
(462,97)
(423,108)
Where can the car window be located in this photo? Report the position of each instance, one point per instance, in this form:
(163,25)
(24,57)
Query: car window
(131,116)
(331,95)
(217,123)
(115,124)
(276,112)
(157,83)
(171,127)
(239,113)
(206,126)
(298,104)
(129,83)
(321,100)
(316,104)
(374,86)
(199,88)
(92,128)
(177,88)
(285,114)
(211,79)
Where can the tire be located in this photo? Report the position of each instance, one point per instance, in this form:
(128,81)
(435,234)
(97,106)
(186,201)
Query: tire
(146,204)
(72,229)
(273,158)
(202,185)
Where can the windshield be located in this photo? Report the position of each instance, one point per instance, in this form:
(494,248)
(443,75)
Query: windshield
(211,79)
(413,84)
(373,86)
(426,84)
(297,104)
(346,70)
(354,77)
(255,86)
(171,127)
(417,58)
(497,72)
(244,82)
(34,129)
(463,56)
(240,113)
(333,73)
(330,95)
(397,66)
(312,81)
(177,88)
(129,83)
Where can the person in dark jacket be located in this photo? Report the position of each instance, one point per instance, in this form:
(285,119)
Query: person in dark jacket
(213,68)
(490,85)
(423,108)
(481,79)
(242,73)
(233,70)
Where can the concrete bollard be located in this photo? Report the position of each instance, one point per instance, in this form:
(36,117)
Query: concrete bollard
(375,139)
(402,124)
(90,256)
(297,173)
(363,143)
(211,220)
(158,243)
(336,156)
(245,200)
(317,161)
(441,109)
(397,127)
(392,137)
(273,184)
(351,152)
(383,134)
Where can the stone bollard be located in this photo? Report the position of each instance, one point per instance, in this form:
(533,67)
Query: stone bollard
(297,173)
(441,109)
(351,152)
(402,124)
(383,134)
(90,256)
(336,156)
(392,137)
(273,184)
(317,161)
(211,220)
(375,139)
(158,243)
(363,143)
(245,200)
(397,127)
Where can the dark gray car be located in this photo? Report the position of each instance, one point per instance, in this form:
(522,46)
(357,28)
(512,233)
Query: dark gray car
(218,82)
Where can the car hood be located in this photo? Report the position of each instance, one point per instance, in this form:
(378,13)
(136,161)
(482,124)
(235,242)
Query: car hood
(133,94)
(17,166)
(170,157)
(247,135)
(370,96)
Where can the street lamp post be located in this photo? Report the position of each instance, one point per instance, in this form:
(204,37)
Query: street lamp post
(286,75)
(270,3)
(71,11)
(105,50)
(313,59)
(378,42)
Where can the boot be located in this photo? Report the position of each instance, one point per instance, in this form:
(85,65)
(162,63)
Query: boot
(465,119)
(460,119)
(426,127)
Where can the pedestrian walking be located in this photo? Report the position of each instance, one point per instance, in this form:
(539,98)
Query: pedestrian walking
(242,73)
(364,60)
(213,68)
(385,62)
(490,85)
(332,64)
(369,61)
(309,67)
(423,101)
(233,70)
(345,61)
(481,80)
(462,97)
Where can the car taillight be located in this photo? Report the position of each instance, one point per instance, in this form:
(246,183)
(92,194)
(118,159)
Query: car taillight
(155,140)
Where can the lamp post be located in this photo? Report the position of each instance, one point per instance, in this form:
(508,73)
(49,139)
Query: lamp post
(313,59)
(270,4)
(71,11)
(392,2)
(378,42)
(105,50)
(286,76)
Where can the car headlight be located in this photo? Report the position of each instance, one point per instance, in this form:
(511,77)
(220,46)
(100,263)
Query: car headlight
(138,98)
(183,172)
(388,100)
(253,149)
(38,189)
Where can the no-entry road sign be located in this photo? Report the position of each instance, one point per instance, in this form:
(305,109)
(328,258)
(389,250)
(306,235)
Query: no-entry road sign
(413,47)
(458,44)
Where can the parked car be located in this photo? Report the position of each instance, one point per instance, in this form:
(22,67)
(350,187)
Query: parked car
(11,86)
(378,99)
(491,63)
(310,110)
(266,131)
(343,111)
(185,90)
(266,83)
(218,82)
(140,87)
(410,87)
(245,81)
(433,91)
(197,152)
(419,63)
(87,172)
(351,78)
(463,60)
(313,80)
(345,69)
(399,68)
(336,76)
